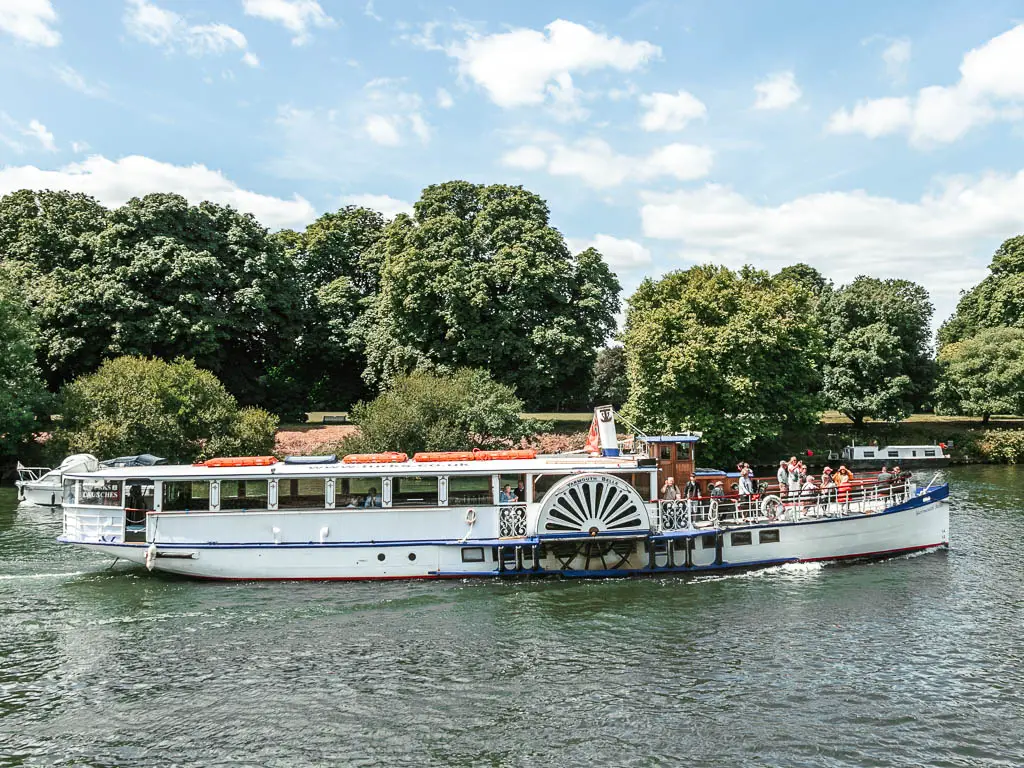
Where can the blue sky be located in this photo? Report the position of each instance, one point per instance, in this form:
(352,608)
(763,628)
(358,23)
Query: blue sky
(879,138)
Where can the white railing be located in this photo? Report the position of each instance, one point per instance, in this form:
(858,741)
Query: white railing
(512,521)
(31,474)
(95,524)
(858,498)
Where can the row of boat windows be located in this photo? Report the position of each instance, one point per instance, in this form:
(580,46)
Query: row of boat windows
(316,492)
(928,452)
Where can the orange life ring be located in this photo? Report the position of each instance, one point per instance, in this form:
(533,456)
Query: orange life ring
(391,457)
(238,461)
(445,456)
(528,453)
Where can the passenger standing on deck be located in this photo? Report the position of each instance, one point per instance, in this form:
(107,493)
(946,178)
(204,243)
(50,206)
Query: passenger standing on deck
(809,493)
(718,491)
(828,487)
(746,489)
(844,480)
(669,492)
(506,496)
(691,490)
(884,480)
(783,477)
(794,476)
(521,492)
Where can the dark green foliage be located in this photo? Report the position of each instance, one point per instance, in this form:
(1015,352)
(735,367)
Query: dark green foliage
(22,395)
(134,405)
(479,278)
(983,375)
(735,354)
(430,412)
(879,360)
(996,301)
(611,384)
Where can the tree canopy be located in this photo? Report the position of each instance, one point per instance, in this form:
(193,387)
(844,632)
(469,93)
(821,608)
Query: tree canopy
(997,301)
(439,412)
(22,395)
(134,405)
(984,374)
(479,278)
(735,354)
(611,384)
(879,360)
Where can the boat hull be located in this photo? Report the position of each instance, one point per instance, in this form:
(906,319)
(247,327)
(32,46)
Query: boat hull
(921,464)
(42,495)
(920,523)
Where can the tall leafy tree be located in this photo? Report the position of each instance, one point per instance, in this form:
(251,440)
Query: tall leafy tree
(879,361)
(611,383)
(984,374)
(736,355)
(996,301)
(22,395)
(479,278)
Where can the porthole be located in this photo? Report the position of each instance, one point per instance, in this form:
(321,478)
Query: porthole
(381,557)
(412,555)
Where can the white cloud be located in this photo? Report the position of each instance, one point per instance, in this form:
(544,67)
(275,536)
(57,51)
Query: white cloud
(516,68)
(944,240)
(38,131)
(79,146)
(991,87)
(670,112)
(896,57)
(168,30)
(419,127)
(387,205)
(114,182)
(777,91)
(297,16)
(873,118)
(30,21)
(528,157)
(598,165)
(74,80)
(250,59)
(621,254)
(444,99)
(382,130)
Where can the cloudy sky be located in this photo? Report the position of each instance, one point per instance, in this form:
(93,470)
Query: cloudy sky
(863,138)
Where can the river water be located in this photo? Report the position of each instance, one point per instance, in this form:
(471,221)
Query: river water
(913,661)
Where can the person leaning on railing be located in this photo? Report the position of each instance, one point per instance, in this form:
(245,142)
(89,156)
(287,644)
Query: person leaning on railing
(884,481)
(669,491)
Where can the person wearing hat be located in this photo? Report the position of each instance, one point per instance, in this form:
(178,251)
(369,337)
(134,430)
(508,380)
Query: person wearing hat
(828,487)
(783,477)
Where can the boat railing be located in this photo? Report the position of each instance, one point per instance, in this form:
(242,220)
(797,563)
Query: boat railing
(859,497)
(512,521)
(93,523)
(31,474)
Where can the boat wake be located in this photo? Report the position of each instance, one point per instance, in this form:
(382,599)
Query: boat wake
(785,570)
(31,576)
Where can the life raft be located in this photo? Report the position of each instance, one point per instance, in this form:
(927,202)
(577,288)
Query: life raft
(445,456)
(527,453)
(391,457)
(238,461)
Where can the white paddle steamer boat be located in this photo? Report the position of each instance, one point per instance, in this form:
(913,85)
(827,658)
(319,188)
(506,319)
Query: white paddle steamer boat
(478,514)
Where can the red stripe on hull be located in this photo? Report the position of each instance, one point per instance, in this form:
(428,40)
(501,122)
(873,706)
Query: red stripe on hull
(882,553)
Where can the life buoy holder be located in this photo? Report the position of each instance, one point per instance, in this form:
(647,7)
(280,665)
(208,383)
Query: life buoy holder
(509,455)
(389,457)
(444,456)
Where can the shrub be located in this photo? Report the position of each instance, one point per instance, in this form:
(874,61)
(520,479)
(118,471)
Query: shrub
(432,412)
(1003,445)
(136,405)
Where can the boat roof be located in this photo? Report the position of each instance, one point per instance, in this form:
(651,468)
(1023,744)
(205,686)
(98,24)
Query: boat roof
(542,464)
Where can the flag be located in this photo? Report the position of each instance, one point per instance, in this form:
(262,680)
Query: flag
(593,440)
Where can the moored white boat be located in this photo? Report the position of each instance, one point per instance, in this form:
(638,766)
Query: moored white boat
(43,486)
(466,515)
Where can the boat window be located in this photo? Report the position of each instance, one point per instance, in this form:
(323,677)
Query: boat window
(894,454)
(741,539)
(869,454)
(464,491)
(768,537)
(513,483)
(472,554)
(641,481)
(243,494)
(301,493)
(665,453)
(138,495)
(102,493)
(186,495)
(707,541)
(414,491)
(929,453)
(358,492)
(913,453)
(70,491)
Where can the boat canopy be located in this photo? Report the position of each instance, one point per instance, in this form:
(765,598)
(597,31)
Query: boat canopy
(142,460)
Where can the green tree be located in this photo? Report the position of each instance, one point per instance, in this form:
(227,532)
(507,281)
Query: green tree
(996,301)
(136,405)
(479,278)
(426,411)
(879,360)
(735,355)
(807,276)
(611,383)
(984,374)
(22,395)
